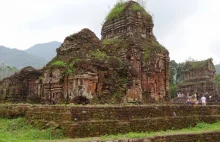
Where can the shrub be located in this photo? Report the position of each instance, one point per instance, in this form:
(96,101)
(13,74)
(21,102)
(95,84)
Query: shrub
(59,63)
(116,11)
(137,7)
(97,54)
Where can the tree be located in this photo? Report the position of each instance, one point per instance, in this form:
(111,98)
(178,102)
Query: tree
(6,71)
(217,78)
(176,71)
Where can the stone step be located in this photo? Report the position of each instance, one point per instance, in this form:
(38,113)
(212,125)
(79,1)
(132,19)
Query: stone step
(98,128)
(80,129)
(118,113)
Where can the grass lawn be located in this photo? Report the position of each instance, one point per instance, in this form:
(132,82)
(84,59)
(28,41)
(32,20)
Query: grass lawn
(15,130)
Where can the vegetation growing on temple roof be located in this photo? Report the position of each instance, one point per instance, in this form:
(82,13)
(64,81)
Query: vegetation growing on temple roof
(192,65)
(97,54)
(152,46)
(121,6)
(111,70)
(116,11)
(58,63)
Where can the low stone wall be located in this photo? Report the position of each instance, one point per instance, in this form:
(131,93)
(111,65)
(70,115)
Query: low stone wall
(204,137)
(91,121)
(13,111)
(96,121)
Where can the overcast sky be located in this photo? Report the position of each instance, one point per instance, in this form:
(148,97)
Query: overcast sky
(187,28)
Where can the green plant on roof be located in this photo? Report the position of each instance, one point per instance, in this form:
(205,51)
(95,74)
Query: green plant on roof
(136,8)
(197,64)
(157,46)
(147,54)
(74,62)
(114,40)
(116,11)
(97,54)
(120,6)
(59,64)
(69,71)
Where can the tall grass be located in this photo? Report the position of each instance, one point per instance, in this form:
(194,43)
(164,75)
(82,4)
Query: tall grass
(199,128)
(116,11)
(16,130)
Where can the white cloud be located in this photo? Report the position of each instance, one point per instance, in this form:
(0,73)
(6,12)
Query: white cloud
(25,23)
(186,28)
(195,35)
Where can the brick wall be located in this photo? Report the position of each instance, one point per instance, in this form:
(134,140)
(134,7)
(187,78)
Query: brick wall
(90,121)
(96,121)
(204,137)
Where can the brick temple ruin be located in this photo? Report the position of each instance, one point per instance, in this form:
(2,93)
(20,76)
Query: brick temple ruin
(198,77)
(126,65)
(20,87)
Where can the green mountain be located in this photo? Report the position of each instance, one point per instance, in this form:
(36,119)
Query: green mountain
(19,59)
(217,67)
(36,56)
(45,50)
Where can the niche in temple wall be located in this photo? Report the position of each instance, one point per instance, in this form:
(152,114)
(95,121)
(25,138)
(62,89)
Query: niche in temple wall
(83,85)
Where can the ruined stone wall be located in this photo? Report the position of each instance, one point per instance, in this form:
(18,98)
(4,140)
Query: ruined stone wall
(20,87)
(93,121)
(13,111)
(134,28)
(203,88)
(201,137)
(199,77)
(96,121)
(130,23)
(127,66)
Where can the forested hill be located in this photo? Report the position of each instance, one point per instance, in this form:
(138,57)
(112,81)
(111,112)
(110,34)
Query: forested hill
(19,58)
(45,50)
(36,56)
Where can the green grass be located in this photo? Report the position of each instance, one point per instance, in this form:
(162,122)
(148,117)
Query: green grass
(97,54)
(200,128)
(152,46)
(59,63)
(116,11)
(15,130)
(137,7)
(120,7)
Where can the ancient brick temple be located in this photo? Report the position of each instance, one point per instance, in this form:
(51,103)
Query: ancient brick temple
(198,77)
(20,87)
(126,65)
(132,34)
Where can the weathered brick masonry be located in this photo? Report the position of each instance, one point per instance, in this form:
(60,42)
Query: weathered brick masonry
(204,137)
(13,111)
(89,121)
(96,121)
